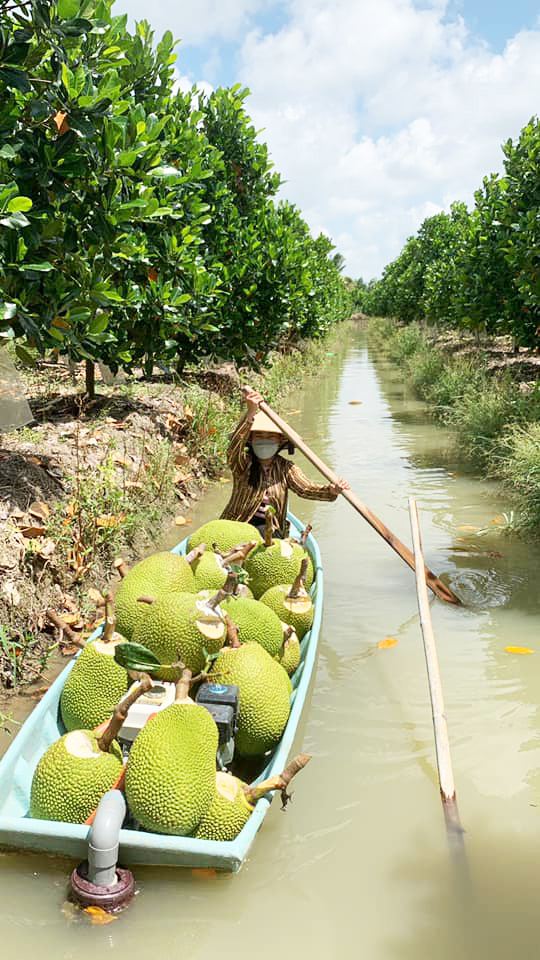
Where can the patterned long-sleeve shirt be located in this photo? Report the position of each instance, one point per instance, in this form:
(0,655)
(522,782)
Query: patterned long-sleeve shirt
(273,485)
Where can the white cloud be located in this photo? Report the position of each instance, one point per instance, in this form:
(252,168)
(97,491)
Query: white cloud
(380,113)
(194,21)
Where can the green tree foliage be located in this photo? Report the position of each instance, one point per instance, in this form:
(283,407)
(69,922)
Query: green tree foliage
(478,270)
(137,222)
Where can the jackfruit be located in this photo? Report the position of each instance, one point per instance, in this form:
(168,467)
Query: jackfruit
(94,686)
(72,776)
(255,621)
(278,563)
(226,534)
(181,627)
(209,571)
(264,695)
(290,654)
(171,769)
(234,801)
(228,811)
(292,603)
(154,576)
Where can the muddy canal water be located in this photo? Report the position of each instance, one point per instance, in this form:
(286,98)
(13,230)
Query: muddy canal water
(358,866)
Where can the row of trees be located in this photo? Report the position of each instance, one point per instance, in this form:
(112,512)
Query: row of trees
(478,270)
(137,221)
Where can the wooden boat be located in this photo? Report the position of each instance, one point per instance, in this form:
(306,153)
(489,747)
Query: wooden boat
(19,831)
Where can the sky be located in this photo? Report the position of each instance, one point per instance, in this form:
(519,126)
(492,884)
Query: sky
(377,113)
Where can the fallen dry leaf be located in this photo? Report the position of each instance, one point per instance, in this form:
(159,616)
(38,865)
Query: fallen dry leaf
(39,509)
(110,519)
(29,531)
(180,521)
(181,477)
(387,642)
(98,915)
(95,596)
(123,461)
(135,483)
(518,650)
(11,593)
(188,412)
(46,548)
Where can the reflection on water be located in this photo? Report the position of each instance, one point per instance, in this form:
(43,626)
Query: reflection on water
(359,863)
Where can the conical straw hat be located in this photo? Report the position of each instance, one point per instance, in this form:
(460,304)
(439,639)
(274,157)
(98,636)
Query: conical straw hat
(264,424)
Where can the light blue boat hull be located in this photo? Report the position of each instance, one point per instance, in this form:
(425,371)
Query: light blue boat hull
(19,831)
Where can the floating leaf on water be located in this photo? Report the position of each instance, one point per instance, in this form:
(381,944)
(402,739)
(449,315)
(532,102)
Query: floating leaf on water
(518,650)
(224,479)
(469,526)
(293,413)
(204,873)
(98,915)
(387,642)
(355,403)
(499,520)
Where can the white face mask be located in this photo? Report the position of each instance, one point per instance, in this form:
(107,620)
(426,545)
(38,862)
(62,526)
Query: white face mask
(265,449)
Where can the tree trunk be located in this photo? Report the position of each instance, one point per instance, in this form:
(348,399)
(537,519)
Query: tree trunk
(90,379)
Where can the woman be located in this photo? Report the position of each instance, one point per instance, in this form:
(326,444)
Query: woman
(262,478)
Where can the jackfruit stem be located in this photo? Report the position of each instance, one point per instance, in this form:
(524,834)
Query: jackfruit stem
(231,583)
(195,553)
(55,618)
(304,535)
(298,589)
(121,711)
(183,685)
(232,633)
(268,526)
(239,552)
(120,567)
(220,595)
(109,619)
(281,782)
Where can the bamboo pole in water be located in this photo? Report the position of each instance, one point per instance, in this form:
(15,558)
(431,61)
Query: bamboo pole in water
(440,728)
(434,583)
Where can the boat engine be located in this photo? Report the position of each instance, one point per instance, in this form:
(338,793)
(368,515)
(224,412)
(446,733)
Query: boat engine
(221,701)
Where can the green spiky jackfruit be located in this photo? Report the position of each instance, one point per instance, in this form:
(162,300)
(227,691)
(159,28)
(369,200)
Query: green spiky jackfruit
(226,534)
(72,776)
(154,576)
(255,621)
(171,770)
(279,563)
(209,571)
(264,696)
(180,627)
(94,687)
(228,811)
(290,655)
(298,612)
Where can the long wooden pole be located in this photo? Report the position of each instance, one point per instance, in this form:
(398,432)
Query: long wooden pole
(442,740)
(434,583)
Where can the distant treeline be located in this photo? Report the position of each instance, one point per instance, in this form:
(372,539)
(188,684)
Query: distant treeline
(477,270)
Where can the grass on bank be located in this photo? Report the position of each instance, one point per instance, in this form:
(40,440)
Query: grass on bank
(496,424)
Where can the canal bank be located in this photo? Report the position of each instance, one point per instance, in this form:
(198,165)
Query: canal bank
(359,863)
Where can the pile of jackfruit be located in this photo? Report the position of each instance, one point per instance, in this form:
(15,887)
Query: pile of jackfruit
(235,610)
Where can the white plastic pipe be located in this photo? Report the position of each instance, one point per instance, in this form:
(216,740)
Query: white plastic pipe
(103,839)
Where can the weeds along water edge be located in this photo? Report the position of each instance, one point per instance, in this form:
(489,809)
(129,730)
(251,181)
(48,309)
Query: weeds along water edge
(487,394)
